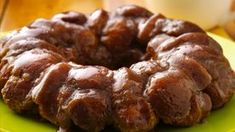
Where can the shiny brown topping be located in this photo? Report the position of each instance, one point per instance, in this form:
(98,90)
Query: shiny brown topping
(128,68)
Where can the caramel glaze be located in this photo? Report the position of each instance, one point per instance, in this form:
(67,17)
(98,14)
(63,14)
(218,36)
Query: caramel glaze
(73,70)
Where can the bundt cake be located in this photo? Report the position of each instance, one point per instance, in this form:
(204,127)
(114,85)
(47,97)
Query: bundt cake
(129,68)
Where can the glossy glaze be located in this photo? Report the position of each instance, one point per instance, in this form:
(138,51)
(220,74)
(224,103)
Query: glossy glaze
(176,72)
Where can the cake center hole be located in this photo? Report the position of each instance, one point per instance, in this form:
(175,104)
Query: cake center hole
(122,59)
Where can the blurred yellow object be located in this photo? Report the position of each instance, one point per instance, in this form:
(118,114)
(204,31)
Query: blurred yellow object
(22,12)
(220,31)
(1,35)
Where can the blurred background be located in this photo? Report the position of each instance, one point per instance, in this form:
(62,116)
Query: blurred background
(213,15)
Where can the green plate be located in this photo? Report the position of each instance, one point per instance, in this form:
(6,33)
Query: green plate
(222,120)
